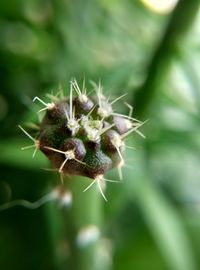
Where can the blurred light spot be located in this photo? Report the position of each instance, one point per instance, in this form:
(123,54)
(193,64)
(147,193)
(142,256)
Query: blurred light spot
(5,192)
(64,196)
(19,38)
(3,108)
(177,119)
(160,6)
(87,235)
(66,199)
(104,254)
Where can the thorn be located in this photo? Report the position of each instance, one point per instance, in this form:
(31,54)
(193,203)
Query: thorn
(140,133)
(83,87)
(126,116)
(37,98)
(27,134)
(112,181)
(99,180)
(36,148)
(105,109)
(72,124)
(105,129)
(81,162)
(134,129)
(70,101)
(100,188)
(119,153)
(130,147)
(56,170)
(117,99)
(69,155)
(91,111)
(50,169)
(66,114)
(62,177)
(42,110)
(36,142)
(27,147)
(130,109)
(48,106)
(118,143)
(62,165)
(99,93)
(119,168)
(55,150)
(90,185)
(81,95)
(33,126)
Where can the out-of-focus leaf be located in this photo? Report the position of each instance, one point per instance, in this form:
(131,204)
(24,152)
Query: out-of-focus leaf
(166,227)
(11,154)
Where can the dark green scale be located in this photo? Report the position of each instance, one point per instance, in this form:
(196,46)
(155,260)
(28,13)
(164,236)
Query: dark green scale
(97,163)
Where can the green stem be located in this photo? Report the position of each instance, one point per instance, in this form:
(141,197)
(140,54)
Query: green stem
(84,214)
(180,22)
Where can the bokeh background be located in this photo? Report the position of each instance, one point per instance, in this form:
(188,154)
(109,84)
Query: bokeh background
(147,49)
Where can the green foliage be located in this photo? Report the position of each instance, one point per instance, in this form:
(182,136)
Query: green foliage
(151,220)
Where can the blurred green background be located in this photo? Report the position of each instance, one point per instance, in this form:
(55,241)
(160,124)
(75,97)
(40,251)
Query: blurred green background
(147,49)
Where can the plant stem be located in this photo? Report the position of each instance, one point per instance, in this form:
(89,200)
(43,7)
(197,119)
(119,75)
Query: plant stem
(84,214)
(180,22)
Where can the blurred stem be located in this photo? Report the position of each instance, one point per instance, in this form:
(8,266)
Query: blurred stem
(191,74)
(180,22)
(86,211)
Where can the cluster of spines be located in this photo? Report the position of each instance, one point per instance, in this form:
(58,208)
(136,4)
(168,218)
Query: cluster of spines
(82,135)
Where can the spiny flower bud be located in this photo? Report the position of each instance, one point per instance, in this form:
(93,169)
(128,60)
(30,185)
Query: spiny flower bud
(83,135)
